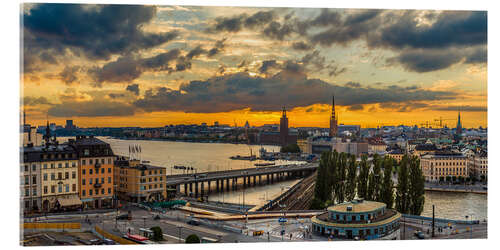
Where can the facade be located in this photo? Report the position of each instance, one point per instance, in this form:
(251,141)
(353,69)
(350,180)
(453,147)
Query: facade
(95,182)
(396,154)
(478,165)
(427,148)
(377,147)
(138,182)
(319,144)
(333,120)
(442,164)
(358,219)
(29,135)
(284,129)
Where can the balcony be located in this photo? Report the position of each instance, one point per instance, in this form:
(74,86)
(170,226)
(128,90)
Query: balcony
(97,165)
(97,185)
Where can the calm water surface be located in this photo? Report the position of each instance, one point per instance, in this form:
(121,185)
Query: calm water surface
(215,157)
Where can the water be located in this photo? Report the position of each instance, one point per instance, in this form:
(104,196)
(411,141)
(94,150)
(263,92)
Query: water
(215,157)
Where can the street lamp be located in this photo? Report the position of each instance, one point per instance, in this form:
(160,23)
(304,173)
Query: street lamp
(466,217)
(180,228)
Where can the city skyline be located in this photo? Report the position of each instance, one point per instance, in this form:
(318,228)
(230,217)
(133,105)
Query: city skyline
(189,65)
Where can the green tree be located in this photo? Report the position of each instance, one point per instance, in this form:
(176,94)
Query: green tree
(157,233)
(363,177)
(417,187)
(333,175)
(322,189)
(193,238)
(374,179)
(387,192)
(403,187)
(352,171)
(341,176)
(290,148)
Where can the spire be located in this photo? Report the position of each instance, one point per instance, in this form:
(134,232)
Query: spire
(284,112)
(333,106)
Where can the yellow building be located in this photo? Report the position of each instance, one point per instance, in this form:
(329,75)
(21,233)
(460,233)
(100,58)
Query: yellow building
(138,182)
(443,164)
(478,165)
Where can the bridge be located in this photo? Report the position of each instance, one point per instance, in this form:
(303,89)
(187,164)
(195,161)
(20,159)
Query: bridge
(194,184)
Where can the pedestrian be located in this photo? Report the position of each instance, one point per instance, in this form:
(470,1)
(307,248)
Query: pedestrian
(291,236)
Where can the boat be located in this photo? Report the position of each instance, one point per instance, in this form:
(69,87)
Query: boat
(264,164)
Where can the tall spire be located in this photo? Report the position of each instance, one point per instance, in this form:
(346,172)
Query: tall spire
(284,112)
(333,119)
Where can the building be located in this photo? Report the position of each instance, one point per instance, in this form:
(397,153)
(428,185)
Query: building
(284,128)
(333,120)
(283,137)
(320,144)
(69,125)
(478,165)
(358,219)
(396,154)
(377,147)
(354,129)
(29,135)
(459,125)
(427,148)
(95,172)
(442,164)
(138,182)
(50,177)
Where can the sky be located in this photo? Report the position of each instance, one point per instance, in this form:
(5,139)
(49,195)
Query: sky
(151,66)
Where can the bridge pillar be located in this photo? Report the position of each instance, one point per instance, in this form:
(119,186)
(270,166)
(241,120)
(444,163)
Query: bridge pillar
(260,180)
(202,189)
(217,185)
(227,184)
(254,178)
(177,189)
(196,189)
(190,189)
(186,189)
(208,187)
(235,184)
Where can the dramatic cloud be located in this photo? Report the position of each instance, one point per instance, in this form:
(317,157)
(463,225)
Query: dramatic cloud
(68,75)
(129,68)
(465,108)
(134,88)
(237,23)
(33,101)
(301,46)
(91,109)
(96,31)
(239,91)
(266,65)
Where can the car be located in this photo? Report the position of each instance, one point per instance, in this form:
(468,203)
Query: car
(122,217)
(193,222)
(109,242)
(420,235)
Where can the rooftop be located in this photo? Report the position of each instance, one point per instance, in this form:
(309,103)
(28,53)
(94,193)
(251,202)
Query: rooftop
(358,206)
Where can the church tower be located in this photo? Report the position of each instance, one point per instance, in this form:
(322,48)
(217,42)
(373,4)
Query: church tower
(333,120)
(459,125)
(284,128)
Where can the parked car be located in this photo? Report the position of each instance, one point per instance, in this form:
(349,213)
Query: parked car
(419,235)
(193,222)
(122,217)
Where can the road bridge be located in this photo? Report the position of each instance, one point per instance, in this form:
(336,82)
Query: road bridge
(220,181)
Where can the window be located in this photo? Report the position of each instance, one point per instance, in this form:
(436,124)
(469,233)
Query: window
(84,162)
(161,178)
(109,160)
(27,204)
(33,167)
(66,175)
(90,171)
(67,187)
(83,181)
(353,218)
(26,168)
(45,166)
(26,180)
(33,179)
(59,188)
(90,192)
(83,171)
(52,176)
(45,189)
(90,181)
(91,161)
(161,185)
(83,192)
(59,175)
(53,188)
(73,188)
(52,165)
(59,165)
(102,191)
(109,170)
(73,164)
(66,165)
(73,175)
(102,170)
(102,161)
(45,176)
(96,180)
(109,190)
(27,192)
(86,152)
(109,179)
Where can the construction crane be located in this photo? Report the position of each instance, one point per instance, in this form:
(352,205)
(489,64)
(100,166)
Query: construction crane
(440,120)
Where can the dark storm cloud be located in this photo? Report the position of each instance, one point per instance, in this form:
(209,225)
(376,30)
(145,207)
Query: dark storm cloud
(266,65)
(335,70)
(278,31)
(326,17)
(219,46)
(237,23)
(452,28)
(479,55)
(239,91)
(68,74)
(301,46)
(34,101)
(466,108)
(91,109)
(355,107)
(353,84)
(134,88)
(115,96)
(129,68)
(198,50)
(403,106)
(96,31)
(314,58)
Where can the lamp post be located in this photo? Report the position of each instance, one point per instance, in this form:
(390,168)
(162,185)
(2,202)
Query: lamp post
(470,229)
(180,228)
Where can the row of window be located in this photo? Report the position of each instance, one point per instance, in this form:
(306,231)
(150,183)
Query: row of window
(145,187)
(96,192)
(52,165)
(143,180)
(58,156)
(92,161)
(344,218)
(96,181)
(91,171)
(60,189)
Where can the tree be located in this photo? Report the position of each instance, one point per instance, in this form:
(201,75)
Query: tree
(352,171)
(157,233)
(363,177)
(448,178)
(387,192)
(333,175)
(441,179)
(374,183)
(417,187)
(290,148)
(341,177)
(454,178)
(193,238)
(461,179)
(402,200)
(322,189)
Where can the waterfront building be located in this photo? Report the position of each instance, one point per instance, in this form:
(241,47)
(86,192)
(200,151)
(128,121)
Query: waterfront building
(438,166)
(282,137)
(319,144)
(95,172)
(50,176)
(138,182)
(358,219)
(478,165)
(333,120)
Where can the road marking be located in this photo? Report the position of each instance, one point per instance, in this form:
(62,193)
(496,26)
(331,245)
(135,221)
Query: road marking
(173,237)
